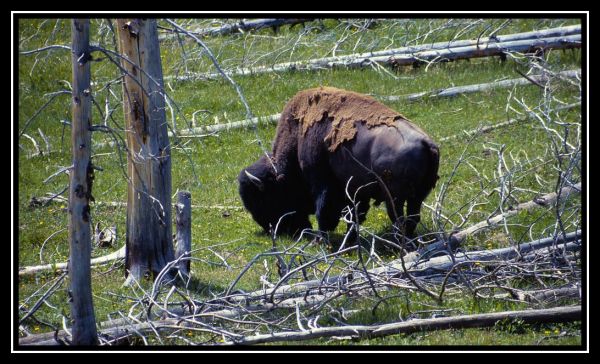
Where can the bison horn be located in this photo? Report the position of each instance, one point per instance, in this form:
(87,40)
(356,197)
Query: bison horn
(257,182)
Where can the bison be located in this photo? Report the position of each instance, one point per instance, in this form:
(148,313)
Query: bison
(331,144)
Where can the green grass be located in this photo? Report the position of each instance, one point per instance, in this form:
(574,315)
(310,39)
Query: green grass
(208,167)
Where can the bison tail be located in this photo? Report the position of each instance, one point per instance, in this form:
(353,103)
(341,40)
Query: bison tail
(434,162)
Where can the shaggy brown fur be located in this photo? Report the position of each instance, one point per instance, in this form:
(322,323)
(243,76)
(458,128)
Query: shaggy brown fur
(345,108)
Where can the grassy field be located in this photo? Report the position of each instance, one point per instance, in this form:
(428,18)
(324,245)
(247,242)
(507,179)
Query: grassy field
(225,238)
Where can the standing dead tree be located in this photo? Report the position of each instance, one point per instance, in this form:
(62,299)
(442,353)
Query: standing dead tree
(183,238)
(148,238)
(80,191)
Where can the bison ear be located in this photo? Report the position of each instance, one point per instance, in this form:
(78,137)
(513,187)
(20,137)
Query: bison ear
(255,180)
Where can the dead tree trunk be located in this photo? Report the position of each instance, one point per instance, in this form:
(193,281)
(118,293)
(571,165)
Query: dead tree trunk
(148,236)
(80,190)
(183,218)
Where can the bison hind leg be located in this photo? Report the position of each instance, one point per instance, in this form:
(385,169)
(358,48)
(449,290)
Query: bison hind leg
(395,210)
(413,216)
(405,225)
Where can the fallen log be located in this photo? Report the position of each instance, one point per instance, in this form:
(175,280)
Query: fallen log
(211,129)
(41,201)
(550,315)
(118,329)
(477,51)
(119,254)
(545,33)
(488,128)
(412,259)
(315,291)
(459,90)
(412,264)
(203,131)
(241,26)
(542,201)
(551,294)
(455,239)
(554,315)
(418,53)
(543,295)
(445,263)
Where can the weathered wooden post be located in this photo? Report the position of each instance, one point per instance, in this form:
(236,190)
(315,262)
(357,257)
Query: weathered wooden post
(183,238)
(80,190)
(148,237)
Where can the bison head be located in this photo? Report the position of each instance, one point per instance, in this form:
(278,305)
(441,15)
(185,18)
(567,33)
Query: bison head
(271,199)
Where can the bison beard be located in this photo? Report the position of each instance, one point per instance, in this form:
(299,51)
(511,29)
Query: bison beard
(329,140)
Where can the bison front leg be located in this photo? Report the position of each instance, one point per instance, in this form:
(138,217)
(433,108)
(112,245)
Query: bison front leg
(413,216)
(328,209)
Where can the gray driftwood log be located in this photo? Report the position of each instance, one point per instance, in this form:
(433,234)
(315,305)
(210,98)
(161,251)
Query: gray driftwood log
(558,314)
(241,26)
(562,37)
(117,255)
(459,90)
(554,315)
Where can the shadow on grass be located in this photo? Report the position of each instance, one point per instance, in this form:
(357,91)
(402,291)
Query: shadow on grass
(385,242)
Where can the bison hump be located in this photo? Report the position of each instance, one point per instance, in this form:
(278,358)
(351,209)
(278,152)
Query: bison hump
(343,109)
